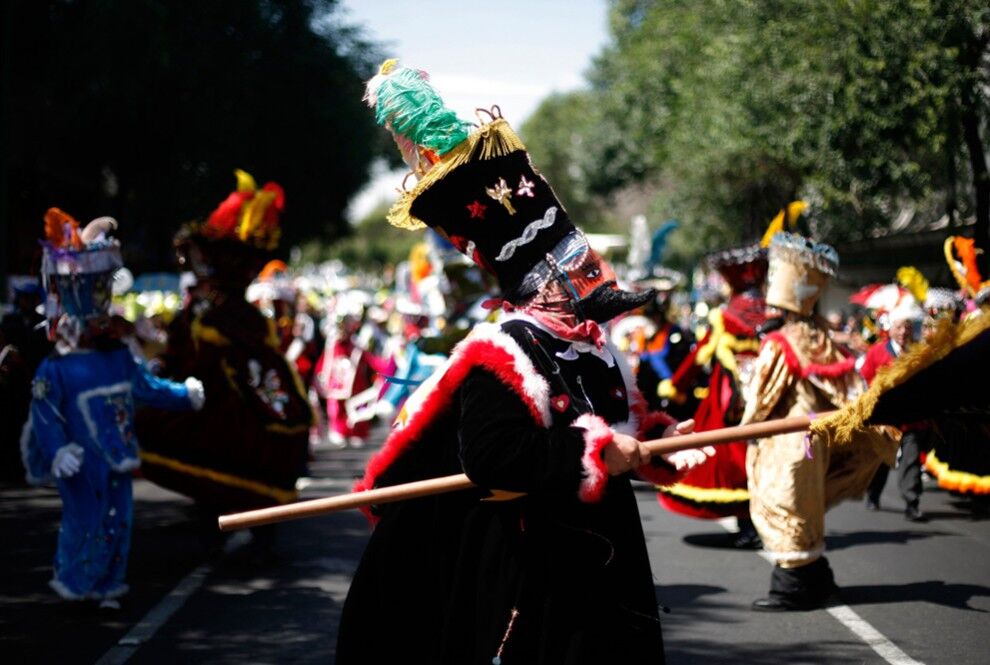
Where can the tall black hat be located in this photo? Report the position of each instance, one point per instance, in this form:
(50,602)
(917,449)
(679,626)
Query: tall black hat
(477,185)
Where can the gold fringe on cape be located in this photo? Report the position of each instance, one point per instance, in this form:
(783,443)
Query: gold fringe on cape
(840,427)
(495,139)
(280,495)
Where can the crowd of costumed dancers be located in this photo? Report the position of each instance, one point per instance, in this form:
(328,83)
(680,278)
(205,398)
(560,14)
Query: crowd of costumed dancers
(506,346)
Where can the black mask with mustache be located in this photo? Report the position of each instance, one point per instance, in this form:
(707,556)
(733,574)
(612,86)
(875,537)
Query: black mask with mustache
(606,302)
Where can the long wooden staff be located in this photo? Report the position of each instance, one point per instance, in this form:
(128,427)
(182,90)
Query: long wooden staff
(460,481)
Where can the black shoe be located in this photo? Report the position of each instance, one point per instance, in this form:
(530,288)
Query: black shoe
(872,506)
(747,540)
(797,604)
(777,604)
(914,514)
(771,605)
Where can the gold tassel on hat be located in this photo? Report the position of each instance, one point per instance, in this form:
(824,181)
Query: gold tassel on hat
(492,140)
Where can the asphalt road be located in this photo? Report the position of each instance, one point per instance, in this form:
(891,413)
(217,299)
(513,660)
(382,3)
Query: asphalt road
(924,588)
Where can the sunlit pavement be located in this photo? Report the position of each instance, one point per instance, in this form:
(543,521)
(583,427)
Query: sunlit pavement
(924,587)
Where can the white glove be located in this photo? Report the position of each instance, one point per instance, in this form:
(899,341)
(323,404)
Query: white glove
(68,460)
(197,395)
(690,458)
(385,409)
(683,460)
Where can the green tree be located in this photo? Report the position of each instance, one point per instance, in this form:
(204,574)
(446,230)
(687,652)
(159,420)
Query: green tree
(142,109)
(729,109)
(556,135)
(371,245)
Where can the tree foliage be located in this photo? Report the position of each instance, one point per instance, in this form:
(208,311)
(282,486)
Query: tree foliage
(141,109)
(372,245)
(730,108)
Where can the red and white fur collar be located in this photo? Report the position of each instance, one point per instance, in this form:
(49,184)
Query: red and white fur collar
(489,348)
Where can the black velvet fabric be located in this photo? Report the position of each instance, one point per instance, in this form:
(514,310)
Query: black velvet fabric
(460,206)
(962,443)
(946,387)
(255,422)
(804,587)
(441,575)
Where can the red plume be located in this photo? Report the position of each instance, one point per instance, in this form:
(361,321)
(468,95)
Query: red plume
(223,221)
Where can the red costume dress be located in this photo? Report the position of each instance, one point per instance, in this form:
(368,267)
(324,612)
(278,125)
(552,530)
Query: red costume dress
(717,488)
(344,373)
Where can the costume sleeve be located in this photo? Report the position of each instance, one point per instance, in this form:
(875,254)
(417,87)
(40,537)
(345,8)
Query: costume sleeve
(378,365)
(769,380)
(652,425)
(160,393)
(684,375)
(501,447)
(48,421)
(868,367)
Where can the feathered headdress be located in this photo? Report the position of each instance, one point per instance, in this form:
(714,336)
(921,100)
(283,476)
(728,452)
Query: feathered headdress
(658,243)
(476,186)
(62,230)
(960,254)
(408,106)
(79,264)
(248,214)
(789,214)
(911,279)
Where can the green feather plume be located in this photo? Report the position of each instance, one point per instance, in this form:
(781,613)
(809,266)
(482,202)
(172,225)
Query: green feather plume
(406,102)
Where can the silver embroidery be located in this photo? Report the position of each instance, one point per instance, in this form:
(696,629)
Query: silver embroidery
(529,233)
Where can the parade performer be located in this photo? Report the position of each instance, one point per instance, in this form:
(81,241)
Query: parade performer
(275,295)
(533,404)
(726,352)
(663,348)
(249,444)
(345,377)
(960,457)
(795,478)
(80,432)
(900,323)
(652,341)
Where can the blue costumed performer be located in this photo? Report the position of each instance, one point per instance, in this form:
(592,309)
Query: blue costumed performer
(80,432)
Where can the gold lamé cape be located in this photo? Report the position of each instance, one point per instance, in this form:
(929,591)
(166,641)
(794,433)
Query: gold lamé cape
(794,478)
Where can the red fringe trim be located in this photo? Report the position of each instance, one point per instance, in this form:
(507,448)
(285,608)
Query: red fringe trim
(649,422)
(597,435)
(829,371)
(472,353)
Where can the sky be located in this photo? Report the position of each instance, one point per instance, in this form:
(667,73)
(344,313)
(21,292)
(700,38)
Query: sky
(512,53)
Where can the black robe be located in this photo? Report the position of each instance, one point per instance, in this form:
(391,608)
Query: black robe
(441,575)
(248,445)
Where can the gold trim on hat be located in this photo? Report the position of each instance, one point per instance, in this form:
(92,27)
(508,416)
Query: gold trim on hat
(489,141)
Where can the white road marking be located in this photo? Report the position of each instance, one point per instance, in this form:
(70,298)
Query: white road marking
(887,650)
(158,615)
(146,628)
(845,615)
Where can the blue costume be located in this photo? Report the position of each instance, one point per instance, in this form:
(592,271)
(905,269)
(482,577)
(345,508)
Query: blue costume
(87,398)
(80,432)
